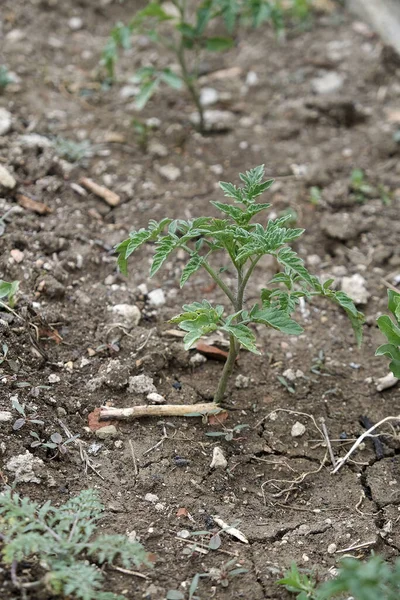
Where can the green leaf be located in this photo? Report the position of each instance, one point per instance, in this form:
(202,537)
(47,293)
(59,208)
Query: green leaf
(146,92)
(193,586)
(175,595)
(171,79)
(389,329)
(394,304)
(290,259)
(191,267)
(8,290)
(275,318)
(244,335)
(165,246)
(355,316)
(219,44)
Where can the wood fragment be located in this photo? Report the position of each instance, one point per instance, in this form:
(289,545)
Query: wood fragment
(38,207)
(111,198)
(230,530)
(166,410)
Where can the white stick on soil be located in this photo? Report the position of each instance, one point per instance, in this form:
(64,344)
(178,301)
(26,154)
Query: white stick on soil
(360,439)
(165,410)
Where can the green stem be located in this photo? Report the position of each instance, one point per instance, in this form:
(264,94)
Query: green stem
(186,75)
(227,371)
(219,282)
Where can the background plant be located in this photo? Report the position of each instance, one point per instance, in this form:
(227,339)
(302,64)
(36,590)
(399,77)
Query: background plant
(63,542)
(5,78)
(368,580)
(8,292)
(244,243)
(391,330)
(187,33)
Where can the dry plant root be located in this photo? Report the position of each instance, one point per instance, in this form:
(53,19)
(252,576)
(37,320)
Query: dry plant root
(167,410)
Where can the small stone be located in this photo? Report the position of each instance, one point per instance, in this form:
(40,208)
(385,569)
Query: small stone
(197,359)
(332,548)
(242,382)
(119,444)
(159,506)
(155,398)
(157,149)
(5,416)
(252,78)
(107,432)
(216,120)
(218,459)
(141,384)
(298,429)
(17,255)
(129,314)
(6,179)
(5,121)
(170,172)
(26,468)
(354,287)
(53,378)
(61,412)
(313,260)
(289,374)
(156,298)
(34,140)
(151,498)
(129,91)
(343,226)
(329,83)
(75,23)
(384,383)
(208,96)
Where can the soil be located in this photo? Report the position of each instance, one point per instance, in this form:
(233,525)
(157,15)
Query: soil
(66,355)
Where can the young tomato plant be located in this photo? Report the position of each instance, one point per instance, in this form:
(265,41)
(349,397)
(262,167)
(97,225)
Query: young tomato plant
(186,32)
(391,330)
(244,243)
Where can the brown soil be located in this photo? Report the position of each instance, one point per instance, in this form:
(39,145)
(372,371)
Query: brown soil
(69,281)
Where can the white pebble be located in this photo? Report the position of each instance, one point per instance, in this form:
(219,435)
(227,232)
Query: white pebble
(298,429)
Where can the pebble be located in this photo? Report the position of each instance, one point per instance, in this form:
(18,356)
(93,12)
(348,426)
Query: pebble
(53,378)
(17,255)
(129,313)
(5,121)
(208,96)
(197,359)
(242,382)
(141,384)
(151,498)
(61,412)
(218,459)
(157,149)
(216,120)
(343,226)
(332,548)
(169,172)
(313,260)
(384,383)
(251,78)
(118,444)
(156,298)
(129,91)
(328,83)
(75,23)
(34,140)
(25,467)
(155,398)
(355,287)
(5,416)
(104,433)
(298,429)
(6,179)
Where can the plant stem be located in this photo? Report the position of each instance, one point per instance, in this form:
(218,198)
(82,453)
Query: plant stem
(227,371)
(220,283)
(186,75)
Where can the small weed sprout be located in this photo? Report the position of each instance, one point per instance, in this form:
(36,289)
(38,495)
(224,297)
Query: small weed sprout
(244,243)
(58,444)
(186,32)
(391,330)
(228,434)
(315,195)
(360,187)
(8,293)
(64,544)
(220,575)
(74,152)
(5,78)
(360,580)
(24,419)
